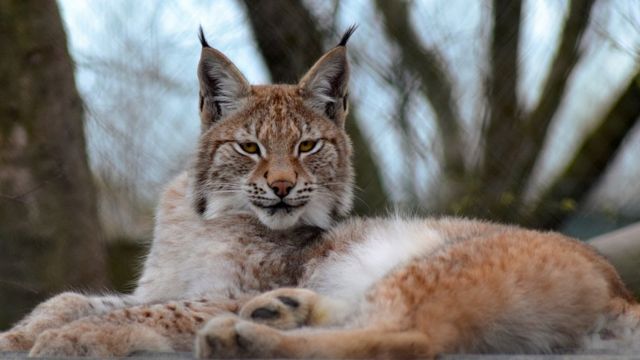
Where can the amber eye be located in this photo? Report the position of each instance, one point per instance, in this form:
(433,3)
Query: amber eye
(250,148)
(306,146)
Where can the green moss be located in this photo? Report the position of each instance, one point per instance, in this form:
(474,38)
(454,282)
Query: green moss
(124,261)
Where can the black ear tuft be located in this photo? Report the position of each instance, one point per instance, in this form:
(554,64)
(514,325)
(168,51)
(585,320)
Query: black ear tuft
(347,35)
(203,40)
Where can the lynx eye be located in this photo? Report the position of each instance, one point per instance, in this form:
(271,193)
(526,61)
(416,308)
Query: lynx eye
(306,146)
(250,148)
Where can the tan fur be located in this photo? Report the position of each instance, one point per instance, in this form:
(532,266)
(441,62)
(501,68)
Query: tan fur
(503,290)
(278,120)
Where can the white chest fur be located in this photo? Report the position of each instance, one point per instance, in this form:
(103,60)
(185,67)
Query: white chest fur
(387,244)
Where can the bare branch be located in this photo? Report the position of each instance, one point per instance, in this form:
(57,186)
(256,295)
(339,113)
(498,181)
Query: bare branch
(590,162)
(537,123)
(436,83)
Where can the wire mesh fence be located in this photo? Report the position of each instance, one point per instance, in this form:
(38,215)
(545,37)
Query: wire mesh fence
(515,111)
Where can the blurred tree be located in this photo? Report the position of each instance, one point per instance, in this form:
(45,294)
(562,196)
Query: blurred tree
(50,237)
(290,40)
(482,165)
(591,161)
(495,186)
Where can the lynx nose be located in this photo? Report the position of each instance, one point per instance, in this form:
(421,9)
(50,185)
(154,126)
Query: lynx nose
(281,187)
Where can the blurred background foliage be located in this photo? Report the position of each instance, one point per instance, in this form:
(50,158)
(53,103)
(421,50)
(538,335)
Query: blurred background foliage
(518,111)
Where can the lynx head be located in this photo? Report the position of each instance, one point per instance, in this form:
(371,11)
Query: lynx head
(278,151)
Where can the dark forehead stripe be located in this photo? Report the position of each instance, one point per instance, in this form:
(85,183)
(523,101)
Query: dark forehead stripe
(279,108)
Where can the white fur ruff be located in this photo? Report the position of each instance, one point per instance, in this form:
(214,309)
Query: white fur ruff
(347,276)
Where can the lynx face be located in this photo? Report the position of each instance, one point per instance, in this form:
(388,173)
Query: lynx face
(278,151)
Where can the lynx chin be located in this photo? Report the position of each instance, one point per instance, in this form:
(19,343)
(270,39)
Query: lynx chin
(252,255)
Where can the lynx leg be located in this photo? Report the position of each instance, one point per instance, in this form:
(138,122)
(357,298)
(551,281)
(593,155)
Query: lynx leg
(168,326)
(356,344)
(620,326)
(289,308)
(57,312)
(232,337)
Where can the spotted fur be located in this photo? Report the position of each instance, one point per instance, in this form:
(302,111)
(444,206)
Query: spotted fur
(416,288)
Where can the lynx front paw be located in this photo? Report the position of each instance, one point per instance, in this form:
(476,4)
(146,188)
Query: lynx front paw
(284,308)
(56,343)
(229,337)
(51,314)
(98,339)
(15,341)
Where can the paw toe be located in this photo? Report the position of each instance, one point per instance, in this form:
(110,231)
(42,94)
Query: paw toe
(218,339)
(282,309)
(265,313)
(289,301)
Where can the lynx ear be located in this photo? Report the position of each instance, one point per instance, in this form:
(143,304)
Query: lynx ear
(324,87)
(223,88)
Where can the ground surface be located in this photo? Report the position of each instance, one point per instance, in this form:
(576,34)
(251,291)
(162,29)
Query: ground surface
(593,356)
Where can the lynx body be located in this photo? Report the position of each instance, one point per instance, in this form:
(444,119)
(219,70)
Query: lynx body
(247,245)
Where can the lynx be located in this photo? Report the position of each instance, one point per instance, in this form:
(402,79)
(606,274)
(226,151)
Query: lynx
(271,174)
(247,253)
(415,288)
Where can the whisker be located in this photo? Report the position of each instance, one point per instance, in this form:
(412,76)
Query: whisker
(354,186)
(223,192)
(335,196)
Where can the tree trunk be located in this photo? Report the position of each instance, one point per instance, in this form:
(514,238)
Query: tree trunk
(50,237)
(504,115)
(290,41)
